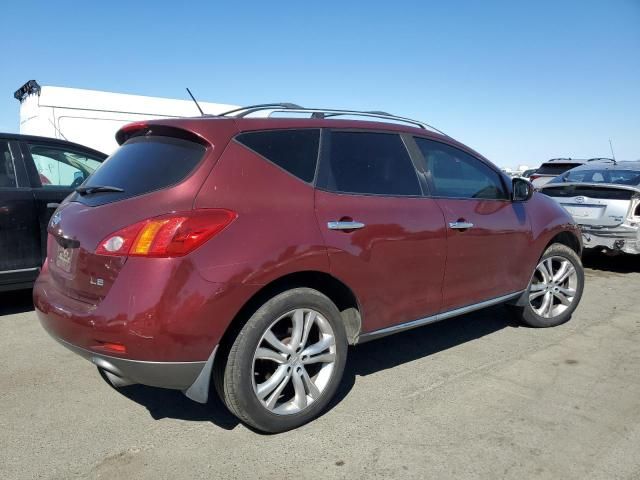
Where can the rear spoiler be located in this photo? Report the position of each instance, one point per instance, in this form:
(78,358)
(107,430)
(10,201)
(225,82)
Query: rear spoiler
(27,89)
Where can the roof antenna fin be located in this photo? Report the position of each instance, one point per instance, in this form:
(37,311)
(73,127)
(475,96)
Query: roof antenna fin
(613,155)
(195,101)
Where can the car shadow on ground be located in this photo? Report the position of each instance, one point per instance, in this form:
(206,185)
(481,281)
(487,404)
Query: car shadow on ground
(18,301)
(622,263)
(365,359)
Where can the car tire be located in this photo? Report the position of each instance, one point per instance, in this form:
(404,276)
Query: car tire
(256,363)
(544,288)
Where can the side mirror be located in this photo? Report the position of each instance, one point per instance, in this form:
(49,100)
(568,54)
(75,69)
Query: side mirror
(522,190)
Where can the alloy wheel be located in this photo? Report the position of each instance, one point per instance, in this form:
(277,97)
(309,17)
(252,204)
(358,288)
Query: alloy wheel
(553,287)
(294,361)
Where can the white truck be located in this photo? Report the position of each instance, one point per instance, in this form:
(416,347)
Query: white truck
(92,117)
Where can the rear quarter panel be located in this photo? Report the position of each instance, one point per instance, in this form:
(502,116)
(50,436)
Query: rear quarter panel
(275,233)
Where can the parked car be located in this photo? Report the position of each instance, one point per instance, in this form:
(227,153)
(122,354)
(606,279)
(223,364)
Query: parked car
(557,166)
(529,173)
(604,199)
(251,251)
(36,174)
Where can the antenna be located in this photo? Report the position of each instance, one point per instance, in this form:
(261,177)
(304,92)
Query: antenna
(195,101)
(613,155)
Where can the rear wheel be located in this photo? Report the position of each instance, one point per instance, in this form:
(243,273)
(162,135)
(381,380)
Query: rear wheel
(285,365)
(555,288)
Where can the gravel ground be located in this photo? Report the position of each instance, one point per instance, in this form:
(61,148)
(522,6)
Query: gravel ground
(472,397)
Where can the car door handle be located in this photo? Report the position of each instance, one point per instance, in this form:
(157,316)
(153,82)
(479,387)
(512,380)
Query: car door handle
(460,225)
(53,205)
(345,225)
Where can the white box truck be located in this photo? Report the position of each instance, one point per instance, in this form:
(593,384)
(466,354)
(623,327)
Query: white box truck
(92,117)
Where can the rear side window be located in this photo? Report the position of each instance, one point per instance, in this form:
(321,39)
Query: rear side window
(144,164)
(456,174)
(296,151)
(368,163)
(555,168)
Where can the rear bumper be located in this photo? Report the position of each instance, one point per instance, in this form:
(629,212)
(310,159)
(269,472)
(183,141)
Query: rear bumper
(168,325)
(123,371)
(621,239)
(193,378)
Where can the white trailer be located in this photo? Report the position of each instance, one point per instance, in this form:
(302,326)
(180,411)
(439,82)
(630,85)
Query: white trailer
(92,117)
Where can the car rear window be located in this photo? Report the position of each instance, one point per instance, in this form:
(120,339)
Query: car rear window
(296,151)
(555,168)
(622,177)
(142,165)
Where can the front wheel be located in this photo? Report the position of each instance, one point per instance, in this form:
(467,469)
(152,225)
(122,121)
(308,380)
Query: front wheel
(555,288)
(285,365)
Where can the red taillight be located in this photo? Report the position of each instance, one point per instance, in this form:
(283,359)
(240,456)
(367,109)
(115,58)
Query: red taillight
(533,177)
(172,235)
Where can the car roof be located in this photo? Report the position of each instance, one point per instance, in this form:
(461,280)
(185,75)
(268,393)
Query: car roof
(621,165)
(34,138)
(578,161)
(204,126)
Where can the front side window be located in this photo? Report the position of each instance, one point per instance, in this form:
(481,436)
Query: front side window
(295,151)
(7,169)
(456,174)
(61,167)
(369,163)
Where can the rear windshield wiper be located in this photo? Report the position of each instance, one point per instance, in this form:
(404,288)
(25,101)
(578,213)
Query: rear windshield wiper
(96,189)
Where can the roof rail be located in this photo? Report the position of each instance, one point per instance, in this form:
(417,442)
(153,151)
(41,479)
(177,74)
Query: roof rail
(325,113)
(244,111)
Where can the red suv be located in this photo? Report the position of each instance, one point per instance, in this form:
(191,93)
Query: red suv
(249,252)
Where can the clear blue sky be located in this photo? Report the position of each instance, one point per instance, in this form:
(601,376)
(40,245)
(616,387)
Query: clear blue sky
(518,81)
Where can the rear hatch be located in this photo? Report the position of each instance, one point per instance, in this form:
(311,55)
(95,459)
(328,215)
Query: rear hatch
(593,205)
(148,176)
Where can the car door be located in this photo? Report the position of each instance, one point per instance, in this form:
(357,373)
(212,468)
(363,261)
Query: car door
(55,170)
(487,233)
(385,240)
(19,241)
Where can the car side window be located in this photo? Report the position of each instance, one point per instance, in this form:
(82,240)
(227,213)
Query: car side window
(7,168)
(61,167)
(296,151)
(456,174)
(368,163)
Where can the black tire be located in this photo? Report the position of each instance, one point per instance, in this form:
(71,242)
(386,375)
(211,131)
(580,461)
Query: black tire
(235,383)
(526,313)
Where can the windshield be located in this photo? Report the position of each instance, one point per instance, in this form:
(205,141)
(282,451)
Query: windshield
(620,177)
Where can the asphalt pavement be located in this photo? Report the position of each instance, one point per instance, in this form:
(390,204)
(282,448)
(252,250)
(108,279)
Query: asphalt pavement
(473,397)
